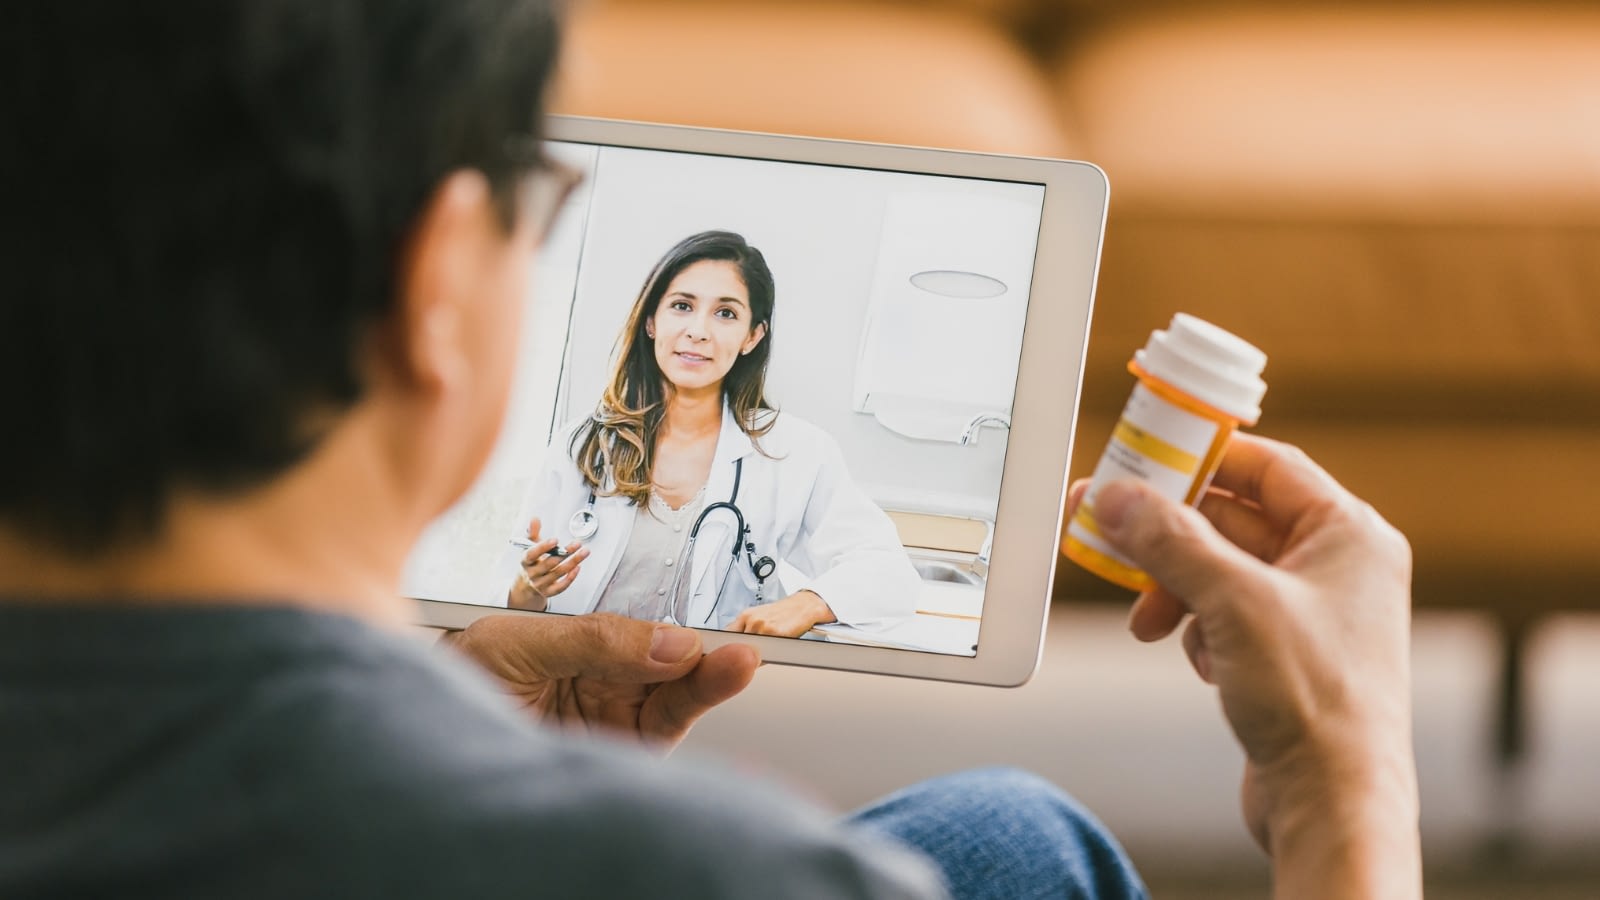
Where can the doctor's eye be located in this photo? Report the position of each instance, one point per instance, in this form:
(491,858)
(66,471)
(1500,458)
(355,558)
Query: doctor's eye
(728,312)
(680,306)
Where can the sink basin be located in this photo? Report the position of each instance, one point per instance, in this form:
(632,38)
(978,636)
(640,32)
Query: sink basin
(945,572)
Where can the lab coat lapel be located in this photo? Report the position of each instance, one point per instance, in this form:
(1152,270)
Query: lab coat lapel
(608,544)
(714,542)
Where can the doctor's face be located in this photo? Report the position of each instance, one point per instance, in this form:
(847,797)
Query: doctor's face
(703,325)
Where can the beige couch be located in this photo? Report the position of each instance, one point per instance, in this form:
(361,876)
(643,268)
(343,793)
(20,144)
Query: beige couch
(1399,203)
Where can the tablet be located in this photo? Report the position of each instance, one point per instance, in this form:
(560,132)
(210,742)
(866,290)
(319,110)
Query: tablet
(897,337)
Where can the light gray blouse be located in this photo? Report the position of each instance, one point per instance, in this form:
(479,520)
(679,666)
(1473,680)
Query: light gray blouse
(650,578)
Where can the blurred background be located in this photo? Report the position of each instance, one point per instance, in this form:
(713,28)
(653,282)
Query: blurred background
(1400,203)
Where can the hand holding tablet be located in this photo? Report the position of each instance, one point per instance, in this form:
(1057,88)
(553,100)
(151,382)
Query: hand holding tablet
(628,679)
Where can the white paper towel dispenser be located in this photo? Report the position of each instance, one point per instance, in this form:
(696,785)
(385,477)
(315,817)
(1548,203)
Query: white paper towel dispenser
(945,315)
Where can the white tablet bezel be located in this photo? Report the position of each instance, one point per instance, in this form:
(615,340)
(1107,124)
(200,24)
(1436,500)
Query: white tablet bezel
(1027,526)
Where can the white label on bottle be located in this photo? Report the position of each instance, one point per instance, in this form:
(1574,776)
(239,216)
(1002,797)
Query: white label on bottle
(1156,442)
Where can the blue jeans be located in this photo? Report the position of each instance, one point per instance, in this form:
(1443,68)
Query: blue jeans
(1004,833)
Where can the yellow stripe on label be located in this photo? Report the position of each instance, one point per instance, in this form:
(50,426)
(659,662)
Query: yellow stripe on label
(1106,567)
(1153,448)
(1085,520)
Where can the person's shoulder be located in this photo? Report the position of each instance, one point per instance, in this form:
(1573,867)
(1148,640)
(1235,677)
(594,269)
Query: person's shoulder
(390,757)
(786,432)
(379,703)
(428,766)
(561,452)
(565,432)
(709,833)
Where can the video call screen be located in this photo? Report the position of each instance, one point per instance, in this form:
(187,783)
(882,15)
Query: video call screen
(790,386)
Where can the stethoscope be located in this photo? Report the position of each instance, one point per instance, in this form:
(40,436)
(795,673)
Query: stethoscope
(584,525)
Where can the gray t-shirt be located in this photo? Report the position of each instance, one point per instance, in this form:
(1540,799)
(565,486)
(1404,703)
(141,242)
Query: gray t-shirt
(222,752)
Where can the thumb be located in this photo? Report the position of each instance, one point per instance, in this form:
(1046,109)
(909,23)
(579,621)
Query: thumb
(600,645)
(1174,543)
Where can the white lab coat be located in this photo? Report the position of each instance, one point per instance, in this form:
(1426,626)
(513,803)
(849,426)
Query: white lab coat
(802,508)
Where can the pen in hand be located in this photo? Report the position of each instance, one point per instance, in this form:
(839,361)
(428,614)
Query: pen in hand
(524,544)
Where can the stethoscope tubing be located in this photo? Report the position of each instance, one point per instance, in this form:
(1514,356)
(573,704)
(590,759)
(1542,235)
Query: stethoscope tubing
(585,524)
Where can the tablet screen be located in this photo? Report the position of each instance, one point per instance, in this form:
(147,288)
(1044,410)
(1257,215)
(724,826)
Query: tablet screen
(759,396)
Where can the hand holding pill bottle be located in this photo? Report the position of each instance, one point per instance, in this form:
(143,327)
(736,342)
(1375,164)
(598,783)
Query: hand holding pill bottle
(1197,385)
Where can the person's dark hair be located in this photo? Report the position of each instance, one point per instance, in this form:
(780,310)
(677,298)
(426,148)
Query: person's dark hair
(206,204)
(615,449)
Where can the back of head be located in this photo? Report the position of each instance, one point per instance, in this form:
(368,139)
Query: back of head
(206,206)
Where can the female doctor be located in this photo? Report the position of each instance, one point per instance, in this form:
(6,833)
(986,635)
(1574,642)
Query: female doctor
(683,454)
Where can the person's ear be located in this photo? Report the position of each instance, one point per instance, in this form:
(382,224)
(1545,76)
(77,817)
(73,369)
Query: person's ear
(756,334)
(429,346)
(439,369)
(650,327)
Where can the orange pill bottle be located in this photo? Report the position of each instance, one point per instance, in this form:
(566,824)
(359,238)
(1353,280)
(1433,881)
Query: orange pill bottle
(1197,385)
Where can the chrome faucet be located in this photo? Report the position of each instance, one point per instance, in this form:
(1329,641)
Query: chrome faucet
(969,435)
(980,565)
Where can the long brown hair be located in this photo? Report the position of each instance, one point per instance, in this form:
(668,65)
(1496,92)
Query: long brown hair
(615,448)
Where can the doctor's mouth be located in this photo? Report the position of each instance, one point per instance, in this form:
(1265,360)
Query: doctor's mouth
(693,360)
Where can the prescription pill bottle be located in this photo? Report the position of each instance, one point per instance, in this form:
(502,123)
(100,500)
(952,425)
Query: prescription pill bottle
(1197,385)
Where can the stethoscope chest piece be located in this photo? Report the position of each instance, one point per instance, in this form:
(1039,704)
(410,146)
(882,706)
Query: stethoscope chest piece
(583,524)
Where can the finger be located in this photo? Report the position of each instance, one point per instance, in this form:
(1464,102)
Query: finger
(1155,614)
(675,706)
(537,552)
(1194,647)
(1075,497)
(598,645)
(557,585)
(569,563)
(539,573)
(533,529)
(1173,542)
(553,568)
(1278,477)
(1242,522)
(740,623)
(1257,804)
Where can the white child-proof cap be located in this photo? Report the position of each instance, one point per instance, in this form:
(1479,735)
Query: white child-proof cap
(1217,368)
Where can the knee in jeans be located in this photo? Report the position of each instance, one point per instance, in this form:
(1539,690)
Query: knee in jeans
(1006,832)
(1013,793)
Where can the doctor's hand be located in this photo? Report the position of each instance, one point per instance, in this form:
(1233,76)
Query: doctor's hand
(1300,596)
(642,681)
(792,616)
(544,576)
